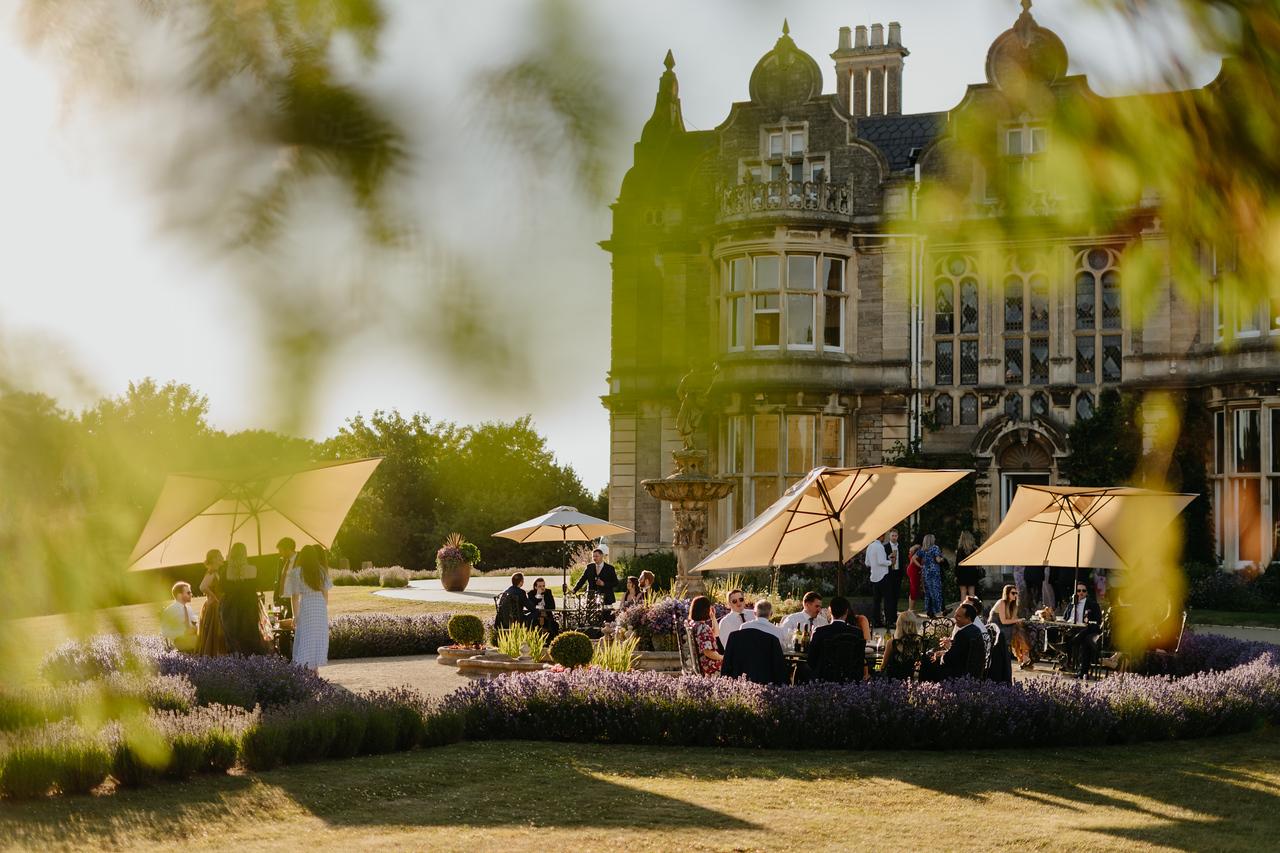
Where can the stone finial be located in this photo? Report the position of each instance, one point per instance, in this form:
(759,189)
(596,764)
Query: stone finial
(786,28)
(846,39)
(877,35)
(860,36)
(895,34)
(670,61)
(1026,6)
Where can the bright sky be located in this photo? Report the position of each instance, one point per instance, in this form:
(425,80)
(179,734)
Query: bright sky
(88,279)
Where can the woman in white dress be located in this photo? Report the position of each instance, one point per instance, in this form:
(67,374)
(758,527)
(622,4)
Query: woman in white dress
(308,585)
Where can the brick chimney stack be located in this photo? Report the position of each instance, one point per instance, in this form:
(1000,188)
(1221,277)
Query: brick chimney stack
(869,73)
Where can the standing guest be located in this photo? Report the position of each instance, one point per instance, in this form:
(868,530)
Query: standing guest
(966,576)
(701,624)
(737,616)
(633,594)
(915,577)
(646,582)
(756,650)
(542,608)
(1084,610)
(513,605)
(837,651)
(1007,616)
(599,578)
(965,653)
(1033,576)
(878,567)
(931,569)
(239,607)
(212,643)
(287,550)
(893,588)
(807,620)
(904,648)
(177,623)
(308,588)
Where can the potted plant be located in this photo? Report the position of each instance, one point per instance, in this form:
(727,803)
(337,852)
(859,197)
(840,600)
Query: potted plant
(467,633)
(455,560)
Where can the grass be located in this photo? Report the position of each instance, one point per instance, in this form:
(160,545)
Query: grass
(37,635)
(1245,619)
(1219,794)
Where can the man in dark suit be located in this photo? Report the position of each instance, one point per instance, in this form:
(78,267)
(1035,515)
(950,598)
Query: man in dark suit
(512,605)
(756,652)
(837,651)
(893,585)
(1083,610)
(967,652)
(600,578)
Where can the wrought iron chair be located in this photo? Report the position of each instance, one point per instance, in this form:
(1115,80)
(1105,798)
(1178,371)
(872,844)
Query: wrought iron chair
(688,654)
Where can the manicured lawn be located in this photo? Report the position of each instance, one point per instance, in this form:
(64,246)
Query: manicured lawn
(1214,794)
(34,637)
(1265,619)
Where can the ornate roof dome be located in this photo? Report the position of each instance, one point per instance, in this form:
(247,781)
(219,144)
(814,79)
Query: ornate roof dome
(785,75)
(1026,50)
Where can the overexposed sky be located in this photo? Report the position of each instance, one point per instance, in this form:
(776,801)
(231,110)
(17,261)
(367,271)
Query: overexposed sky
(90,281)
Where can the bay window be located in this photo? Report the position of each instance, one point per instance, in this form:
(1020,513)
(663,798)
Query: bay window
(765,452)
(784,301)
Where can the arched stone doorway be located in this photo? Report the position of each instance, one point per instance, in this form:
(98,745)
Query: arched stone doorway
(1009,453)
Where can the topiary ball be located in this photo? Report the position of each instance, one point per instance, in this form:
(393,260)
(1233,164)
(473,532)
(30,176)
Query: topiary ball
(466,629)
(572,649)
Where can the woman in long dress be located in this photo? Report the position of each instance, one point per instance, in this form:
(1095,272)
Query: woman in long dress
(239,606)
(308,585)
(931,559)
(212,642)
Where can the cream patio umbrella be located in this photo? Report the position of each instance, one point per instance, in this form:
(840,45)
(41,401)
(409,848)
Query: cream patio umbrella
(830,515)
(563,524)
(1079,527)
(199,511)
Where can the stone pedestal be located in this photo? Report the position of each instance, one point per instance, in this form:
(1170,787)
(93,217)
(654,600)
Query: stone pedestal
(690,491)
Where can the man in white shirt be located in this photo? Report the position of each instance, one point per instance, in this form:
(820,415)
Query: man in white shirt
(878,565)
(764,611)
(809,617)
(737,616)
(177,622)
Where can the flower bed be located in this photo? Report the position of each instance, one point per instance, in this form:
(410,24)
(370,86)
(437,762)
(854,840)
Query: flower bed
(385,635)
(648,708)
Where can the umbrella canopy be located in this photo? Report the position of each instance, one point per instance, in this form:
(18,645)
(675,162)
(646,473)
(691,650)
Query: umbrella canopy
(830,515)
(562,524)
(1079,526)
(199,511)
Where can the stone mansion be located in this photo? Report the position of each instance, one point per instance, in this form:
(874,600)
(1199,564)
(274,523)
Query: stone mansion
(778,248)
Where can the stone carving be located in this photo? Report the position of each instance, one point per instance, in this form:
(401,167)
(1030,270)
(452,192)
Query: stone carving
(693,392)
(690,526)
(820,197)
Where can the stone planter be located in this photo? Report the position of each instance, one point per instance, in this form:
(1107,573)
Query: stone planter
(495,664)
(454,576)
(664,642)
(657,661)
(450,655)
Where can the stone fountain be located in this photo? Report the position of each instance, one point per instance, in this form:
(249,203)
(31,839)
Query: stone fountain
(690,489)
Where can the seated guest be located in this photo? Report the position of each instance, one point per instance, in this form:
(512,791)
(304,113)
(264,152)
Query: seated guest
(1006,617)
(701,625)
(177,622)
(633,595)
(542,608)
(809,618)
(904,648)
(737,616)
(513,605)
(764,612)
(965,653)
(1083,610)
(837,651)
(756,652)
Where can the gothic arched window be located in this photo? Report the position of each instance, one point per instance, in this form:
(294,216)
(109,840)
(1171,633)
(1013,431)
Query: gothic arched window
(942,410)
(968,410)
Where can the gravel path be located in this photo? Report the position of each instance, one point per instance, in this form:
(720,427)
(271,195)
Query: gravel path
(420,672)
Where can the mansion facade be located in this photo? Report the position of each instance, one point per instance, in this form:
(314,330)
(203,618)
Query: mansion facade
(778,247)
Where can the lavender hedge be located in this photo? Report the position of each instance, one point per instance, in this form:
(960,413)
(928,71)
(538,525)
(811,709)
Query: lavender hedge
(384,635)
(651,708)
(266,680)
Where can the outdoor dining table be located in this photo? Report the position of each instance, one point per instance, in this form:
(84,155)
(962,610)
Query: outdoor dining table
(1066,634)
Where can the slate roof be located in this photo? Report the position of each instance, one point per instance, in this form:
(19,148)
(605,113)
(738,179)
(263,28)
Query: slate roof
(897,135)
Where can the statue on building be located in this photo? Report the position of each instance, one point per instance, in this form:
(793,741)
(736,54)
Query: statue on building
(693,392)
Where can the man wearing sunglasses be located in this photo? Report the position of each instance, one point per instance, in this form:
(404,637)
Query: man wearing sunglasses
(737,616)
(1083,610)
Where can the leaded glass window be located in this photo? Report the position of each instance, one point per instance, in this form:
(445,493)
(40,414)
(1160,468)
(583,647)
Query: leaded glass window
(969,410)
(1084,406)
(1111,358)
(942,365)
(942,410)
(1013,304)
(1084,360)
(1039,303)
(969,306)
(1039,361)
(1039,405)
(1013,405)
(968,362)
(944,308)
(1013,374)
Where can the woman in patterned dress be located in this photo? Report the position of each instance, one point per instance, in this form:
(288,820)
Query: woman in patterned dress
(211,643)
(308,585)
(702,625)
(931,559)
